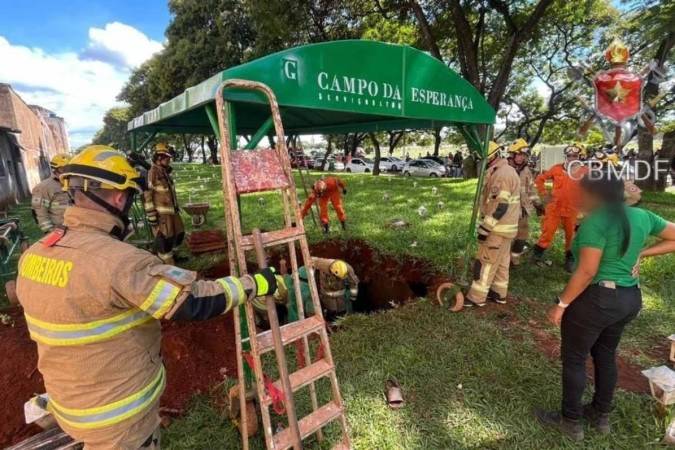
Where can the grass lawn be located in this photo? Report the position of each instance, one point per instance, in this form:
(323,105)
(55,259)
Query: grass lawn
(471,379)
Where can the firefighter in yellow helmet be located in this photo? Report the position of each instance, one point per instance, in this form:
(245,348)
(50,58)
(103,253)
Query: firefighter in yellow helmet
(161,205)
(93,304)
(500,211)
(49,200)
(519,154)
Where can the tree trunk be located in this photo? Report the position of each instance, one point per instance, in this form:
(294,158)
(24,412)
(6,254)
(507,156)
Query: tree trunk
(645,139)
(437,141)
(376,144)
(203,150)
(188,148)
(329,150)
(212,142)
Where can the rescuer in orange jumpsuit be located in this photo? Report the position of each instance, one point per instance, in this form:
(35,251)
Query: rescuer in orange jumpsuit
(328,189)
(561,202)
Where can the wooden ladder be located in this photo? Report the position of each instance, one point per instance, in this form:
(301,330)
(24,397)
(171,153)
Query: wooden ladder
(259,171)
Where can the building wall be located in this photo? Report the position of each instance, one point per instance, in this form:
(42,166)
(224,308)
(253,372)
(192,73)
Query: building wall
(29,137)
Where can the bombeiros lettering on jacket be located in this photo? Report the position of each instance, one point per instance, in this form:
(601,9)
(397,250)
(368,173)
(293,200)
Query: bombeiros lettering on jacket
(44,270)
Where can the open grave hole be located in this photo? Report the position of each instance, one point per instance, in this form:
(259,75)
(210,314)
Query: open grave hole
(385,281)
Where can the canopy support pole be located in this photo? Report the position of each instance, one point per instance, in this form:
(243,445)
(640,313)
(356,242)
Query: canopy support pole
(132,137)
(213,120)
(147,141)
(483,149)
(261,133)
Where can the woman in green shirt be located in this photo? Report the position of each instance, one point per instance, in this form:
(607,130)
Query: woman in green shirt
(601,298)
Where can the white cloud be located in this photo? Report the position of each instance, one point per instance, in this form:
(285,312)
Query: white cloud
(78,87)
(120,43)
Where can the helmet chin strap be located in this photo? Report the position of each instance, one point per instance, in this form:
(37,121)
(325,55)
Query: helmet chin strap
(122,214)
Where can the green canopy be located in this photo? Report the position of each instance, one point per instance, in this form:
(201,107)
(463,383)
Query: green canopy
(334,87)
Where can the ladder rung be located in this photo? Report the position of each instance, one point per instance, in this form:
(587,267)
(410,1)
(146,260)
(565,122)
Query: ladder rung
(289,333)
(308,425)
(306,375)
(270,238)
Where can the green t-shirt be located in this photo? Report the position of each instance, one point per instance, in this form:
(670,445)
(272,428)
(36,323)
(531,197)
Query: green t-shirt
(603,231)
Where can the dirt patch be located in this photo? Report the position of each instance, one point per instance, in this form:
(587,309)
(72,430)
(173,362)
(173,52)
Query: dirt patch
(630,375)
(197,356)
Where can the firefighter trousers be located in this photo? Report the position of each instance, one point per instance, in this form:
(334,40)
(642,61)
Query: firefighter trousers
(552,221)
(168,235)
(491,269)
(336,200)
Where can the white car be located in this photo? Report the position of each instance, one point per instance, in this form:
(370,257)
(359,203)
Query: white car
(359,165)
(423,168)
(391,164)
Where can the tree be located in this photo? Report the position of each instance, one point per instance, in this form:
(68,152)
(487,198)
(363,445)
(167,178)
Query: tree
(378,153)
(114,128)
(563,37)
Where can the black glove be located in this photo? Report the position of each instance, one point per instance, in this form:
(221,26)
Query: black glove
(344,191)
(265,282)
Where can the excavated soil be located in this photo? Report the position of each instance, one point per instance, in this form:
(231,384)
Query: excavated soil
(199,355)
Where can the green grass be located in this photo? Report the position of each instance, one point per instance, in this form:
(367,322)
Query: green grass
(470,380)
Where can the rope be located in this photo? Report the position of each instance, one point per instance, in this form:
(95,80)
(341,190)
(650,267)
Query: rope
(276,394)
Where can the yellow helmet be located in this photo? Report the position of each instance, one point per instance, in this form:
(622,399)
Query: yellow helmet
(99,167)
(59,160)
(494,150)
(339,269)
(574,149)
(161,148)
(520,145)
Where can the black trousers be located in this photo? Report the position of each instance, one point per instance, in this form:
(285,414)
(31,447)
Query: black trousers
(593,324)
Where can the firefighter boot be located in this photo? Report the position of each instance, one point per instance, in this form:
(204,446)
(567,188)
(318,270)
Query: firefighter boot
(598,420)
(492,296)
(538,254)
(569,262)
(325,228)
(573,429)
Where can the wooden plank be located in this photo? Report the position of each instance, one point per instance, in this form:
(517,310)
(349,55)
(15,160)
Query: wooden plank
(305,376)
(308,425)
(272,238)
(290,332)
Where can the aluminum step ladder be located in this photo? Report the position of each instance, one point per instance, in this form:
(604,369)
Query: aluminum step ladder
(259,171)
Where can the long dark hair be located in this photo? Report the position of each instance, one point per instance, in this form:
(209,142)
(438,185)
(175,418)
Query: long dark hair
(609,188)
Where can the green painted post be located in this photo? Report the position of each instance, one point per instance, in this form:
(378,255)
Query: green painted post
(147,140)
(213,119)
(132,136)
(261,133)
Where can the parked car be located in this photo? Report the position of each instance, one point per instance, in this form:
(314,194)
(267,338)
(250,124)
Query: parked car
(391,164)
(424,168)
(302,161)
(436,159)
(359,165)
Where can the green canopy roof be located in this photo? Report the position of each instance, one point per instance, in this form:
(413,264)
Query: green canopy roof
(333,87)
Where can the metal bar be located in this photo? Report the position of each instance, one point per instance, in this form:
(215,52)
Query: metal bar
(132,137)
(478,195)
(147,140)
(213,120)
(261,133)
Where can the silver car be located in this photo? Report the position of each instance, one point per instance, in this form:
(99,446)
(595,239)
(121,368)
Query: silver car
(423,168)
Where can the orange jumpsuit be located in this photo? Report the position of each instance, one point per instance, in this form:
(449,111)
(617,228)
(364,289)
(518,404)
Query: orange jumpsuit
(332,193)
(563,207)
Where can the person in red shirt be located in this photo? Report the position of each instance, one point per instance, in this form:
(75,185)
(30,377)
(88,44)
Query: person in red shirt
(328,189)
(561,202)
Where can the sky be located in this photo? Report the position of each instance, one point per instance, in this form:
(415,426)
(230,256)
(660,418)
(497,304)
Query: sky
(73,57)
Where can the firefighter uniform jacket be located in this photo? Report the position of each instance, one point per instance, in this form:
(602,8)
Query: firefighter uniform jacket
(332,290)
(528,193)
(161,194)
(49,202)
(93,303)
(500,205)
